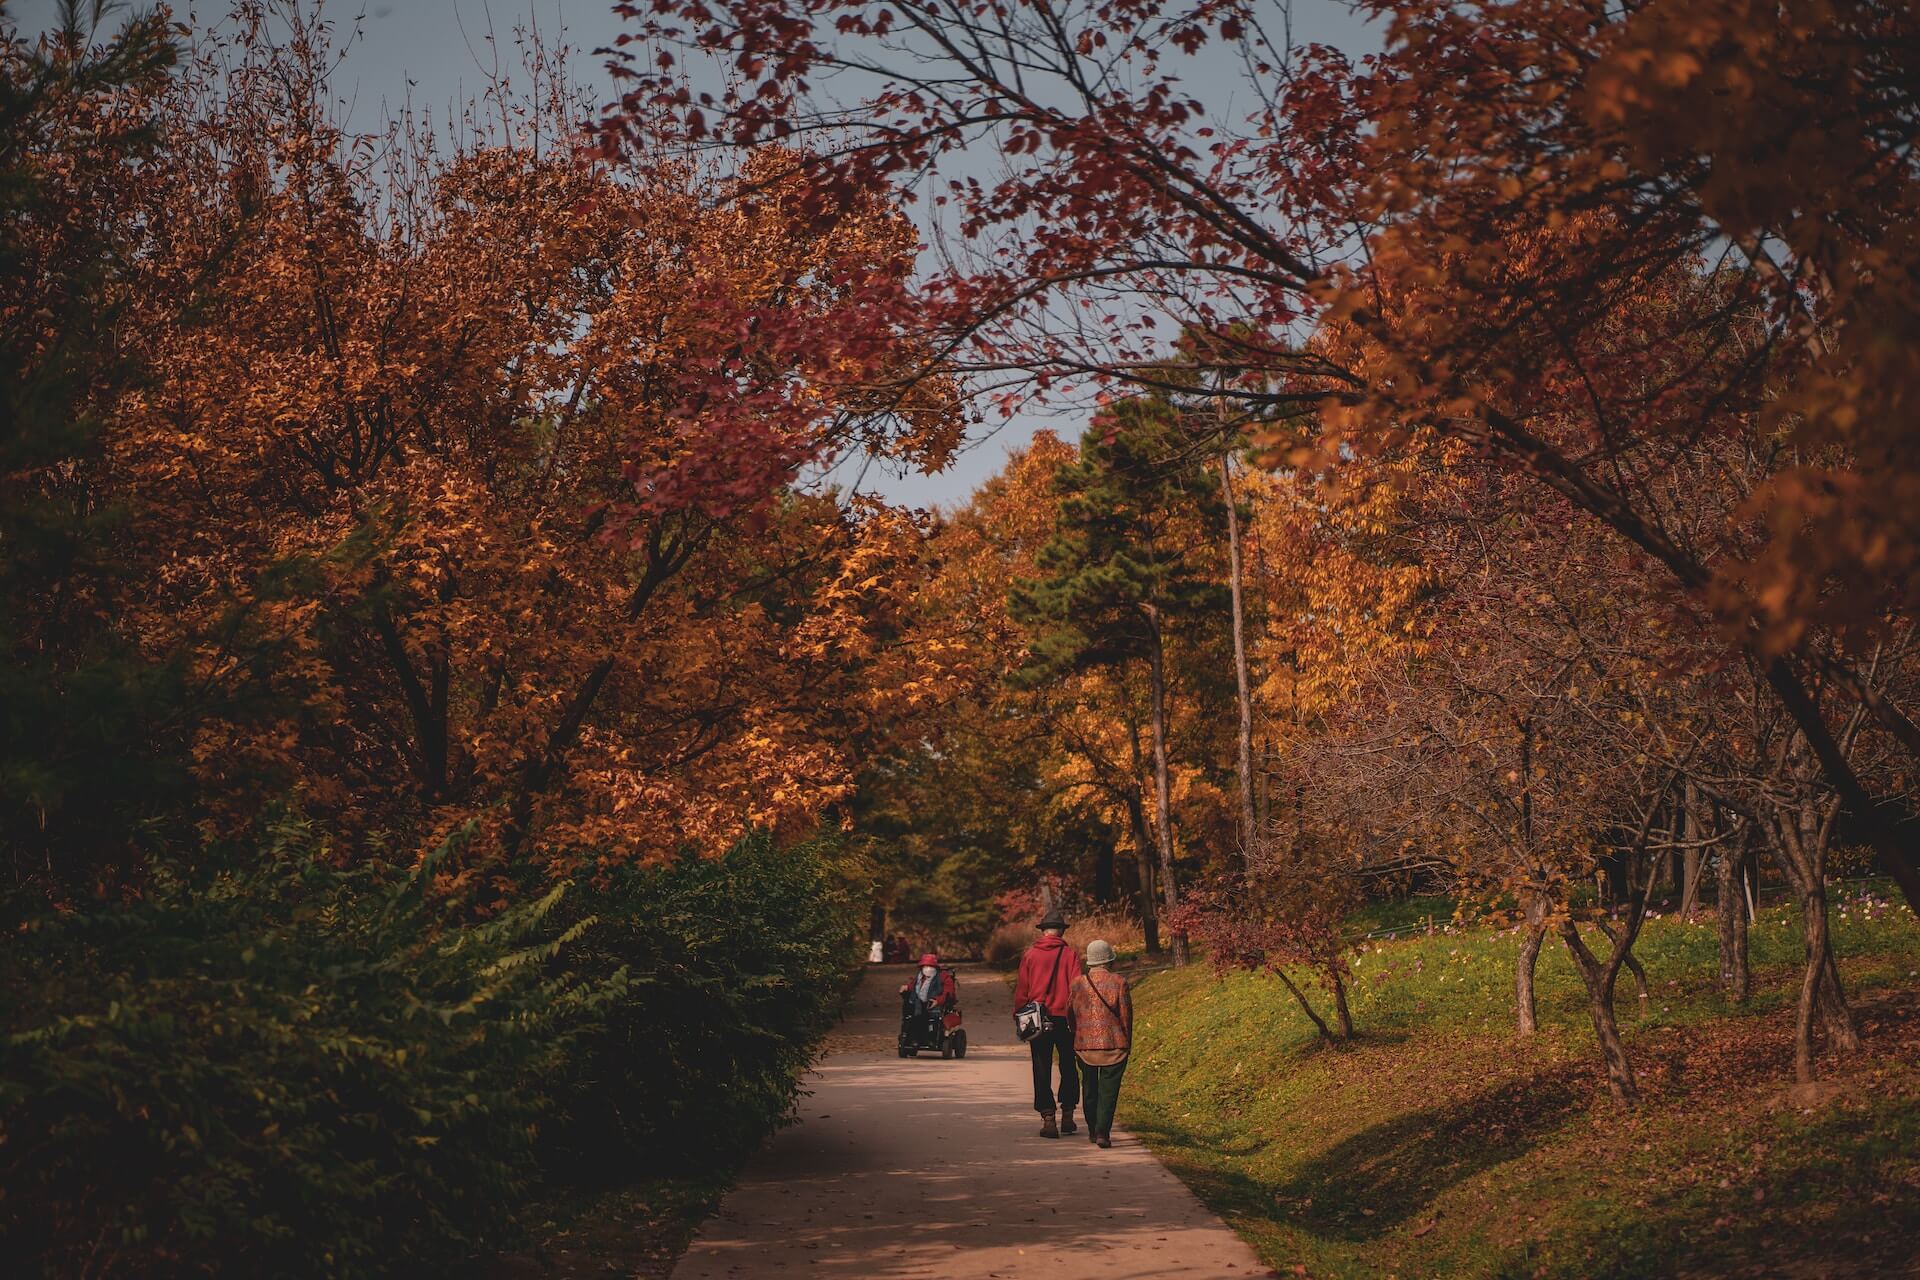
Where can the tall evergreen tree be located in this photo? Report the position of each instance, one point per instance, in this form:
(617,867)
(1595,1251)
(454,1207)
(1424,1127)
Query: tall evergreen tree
(1141,520)
(80,774)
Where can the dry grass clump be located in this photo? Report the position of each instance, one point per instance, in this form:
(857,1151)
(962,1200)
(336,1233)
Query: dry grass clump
(1006,944)
(1121,930)
(1009,942)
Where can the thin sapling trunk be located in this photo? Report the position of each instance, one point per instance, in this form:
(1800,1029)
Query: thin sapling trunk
(1730,911)
(1162,788)
(1249,823)
(1533,933)
(1306,1007)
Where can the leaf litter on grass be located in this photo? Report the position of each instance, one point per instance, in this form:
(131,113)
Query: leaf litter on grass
(1440,1143)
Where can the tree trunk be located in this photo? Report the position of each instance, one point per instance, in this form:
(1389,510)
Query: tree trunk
(1750,883)
(1142,844)
(1300,997)
(1342,1017)
(1813,914)
(1263,818)
(1599,978)
(1631,961)
(1162,788)
(1693,833)
(426,706)
(1143,849)
(1801,837)
(1533,903)
(1730,911)
(1842,1035)
(1639,976)
(1888,825)
(1534,933)
(1249,822)
(1620,1081)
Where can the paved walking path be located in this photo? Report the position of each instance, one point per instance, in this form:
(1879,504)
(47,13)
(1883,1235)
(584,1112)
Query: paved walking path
(924,1167)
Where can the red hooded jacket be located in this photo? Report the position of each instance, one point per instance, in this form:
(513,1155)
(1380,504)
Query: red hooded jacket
(1046,975)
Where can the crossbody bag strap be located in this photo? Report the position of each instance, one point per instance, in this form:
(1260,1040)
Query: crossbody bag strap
(1102,999)
(1046,1014)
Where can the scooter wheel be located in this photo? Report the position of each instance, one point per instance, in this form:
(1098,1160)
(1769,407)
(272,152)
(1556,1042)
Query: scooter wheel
(959,1043)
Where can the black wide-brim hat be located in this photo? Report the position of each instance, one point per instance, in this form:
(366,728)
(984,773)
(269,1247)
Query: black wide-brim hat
(1053,919)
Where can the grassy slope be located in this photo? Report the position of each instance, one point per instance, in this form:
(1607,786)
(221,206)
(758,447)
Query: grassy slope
(1442,1144)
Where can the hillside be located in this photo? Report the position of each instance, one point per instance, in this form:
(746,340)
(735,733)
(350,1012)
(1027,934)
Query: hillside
(1440,1143)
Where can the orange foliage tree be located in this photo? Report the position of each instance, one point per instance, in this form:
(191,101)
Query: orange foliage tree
(464,485)
(1520,229)
(1508,171)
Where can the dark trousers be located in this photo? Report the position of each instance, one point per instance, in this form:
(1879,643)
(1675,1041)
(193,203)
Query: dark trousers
(1100,1086)
(1055,1043)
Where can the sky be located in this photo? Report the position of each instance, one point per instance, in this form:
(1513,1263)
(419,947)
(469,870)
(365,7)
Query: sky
(441,53)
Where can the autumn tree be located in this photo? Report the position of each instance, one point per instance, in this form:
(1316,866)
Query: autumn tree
(1047,775)
(459,489)
(1470,208)
(956,804)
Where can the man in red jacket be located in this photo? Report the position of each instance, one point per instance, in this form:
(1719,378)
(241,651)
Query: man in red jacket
(1047,972)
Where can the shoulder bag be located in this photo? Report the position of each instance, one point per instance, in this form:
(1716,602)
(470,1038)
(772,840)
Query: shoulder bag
(1031,1020)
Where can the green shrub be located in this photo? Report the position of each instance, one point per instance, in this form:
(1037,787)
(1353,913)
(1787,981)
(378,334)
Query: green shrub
(295,1069)
(288,1070)
(735,967)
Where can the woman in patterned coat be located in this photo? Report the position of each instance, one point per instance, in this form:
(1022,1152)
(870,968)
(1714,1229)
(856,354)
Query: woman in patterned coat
(1102,1010)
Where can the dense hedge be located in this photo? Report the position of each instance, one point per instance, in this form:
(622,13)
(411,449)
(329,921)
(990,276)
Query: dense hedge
(301,1070)
(736,968)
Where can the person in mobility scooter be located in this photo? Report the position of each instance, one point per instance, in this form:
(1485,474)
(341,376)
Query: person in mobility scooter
(930,1012)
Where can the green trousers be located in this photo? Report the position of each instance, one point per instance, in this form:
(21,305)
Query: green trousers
(1099,1092)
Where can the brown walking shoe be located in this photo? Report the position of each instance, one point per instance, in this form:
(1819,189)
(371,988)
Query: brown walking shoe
(1066,1122)
(1047,1127)
(1103,1142)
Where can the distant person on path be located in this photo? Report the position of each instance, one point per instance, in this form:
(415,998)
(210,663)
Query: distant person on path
(1102,1012)
(1047,972)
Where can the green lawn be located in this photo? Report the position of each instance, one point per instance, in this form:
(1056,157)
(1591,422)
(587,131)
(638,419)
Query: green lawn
(1441,1144)
(1401,913)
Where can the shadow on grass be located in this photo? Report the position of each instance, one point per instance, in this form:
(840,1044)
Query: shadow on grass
(1369,1184)
(1831,1203)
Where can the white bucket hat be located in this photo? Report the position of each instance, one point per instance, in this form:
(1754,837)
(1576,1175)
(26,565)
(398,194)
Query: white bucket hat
(1099,952)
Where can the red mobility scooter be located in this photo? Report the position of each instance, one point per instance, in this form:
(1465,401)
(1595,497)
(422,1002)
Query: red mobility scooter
(930,1012)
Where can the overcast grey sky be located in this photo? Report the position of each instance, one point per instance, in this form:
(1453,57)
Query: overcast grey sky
(443,52)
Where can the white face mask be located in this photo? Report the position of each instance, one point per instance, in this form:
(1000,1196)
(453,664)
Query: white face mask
(927,970)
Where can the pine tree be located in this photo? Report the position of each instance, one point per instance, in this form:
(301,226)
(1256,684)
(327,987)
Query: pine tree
(1140,521)
(80,774)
